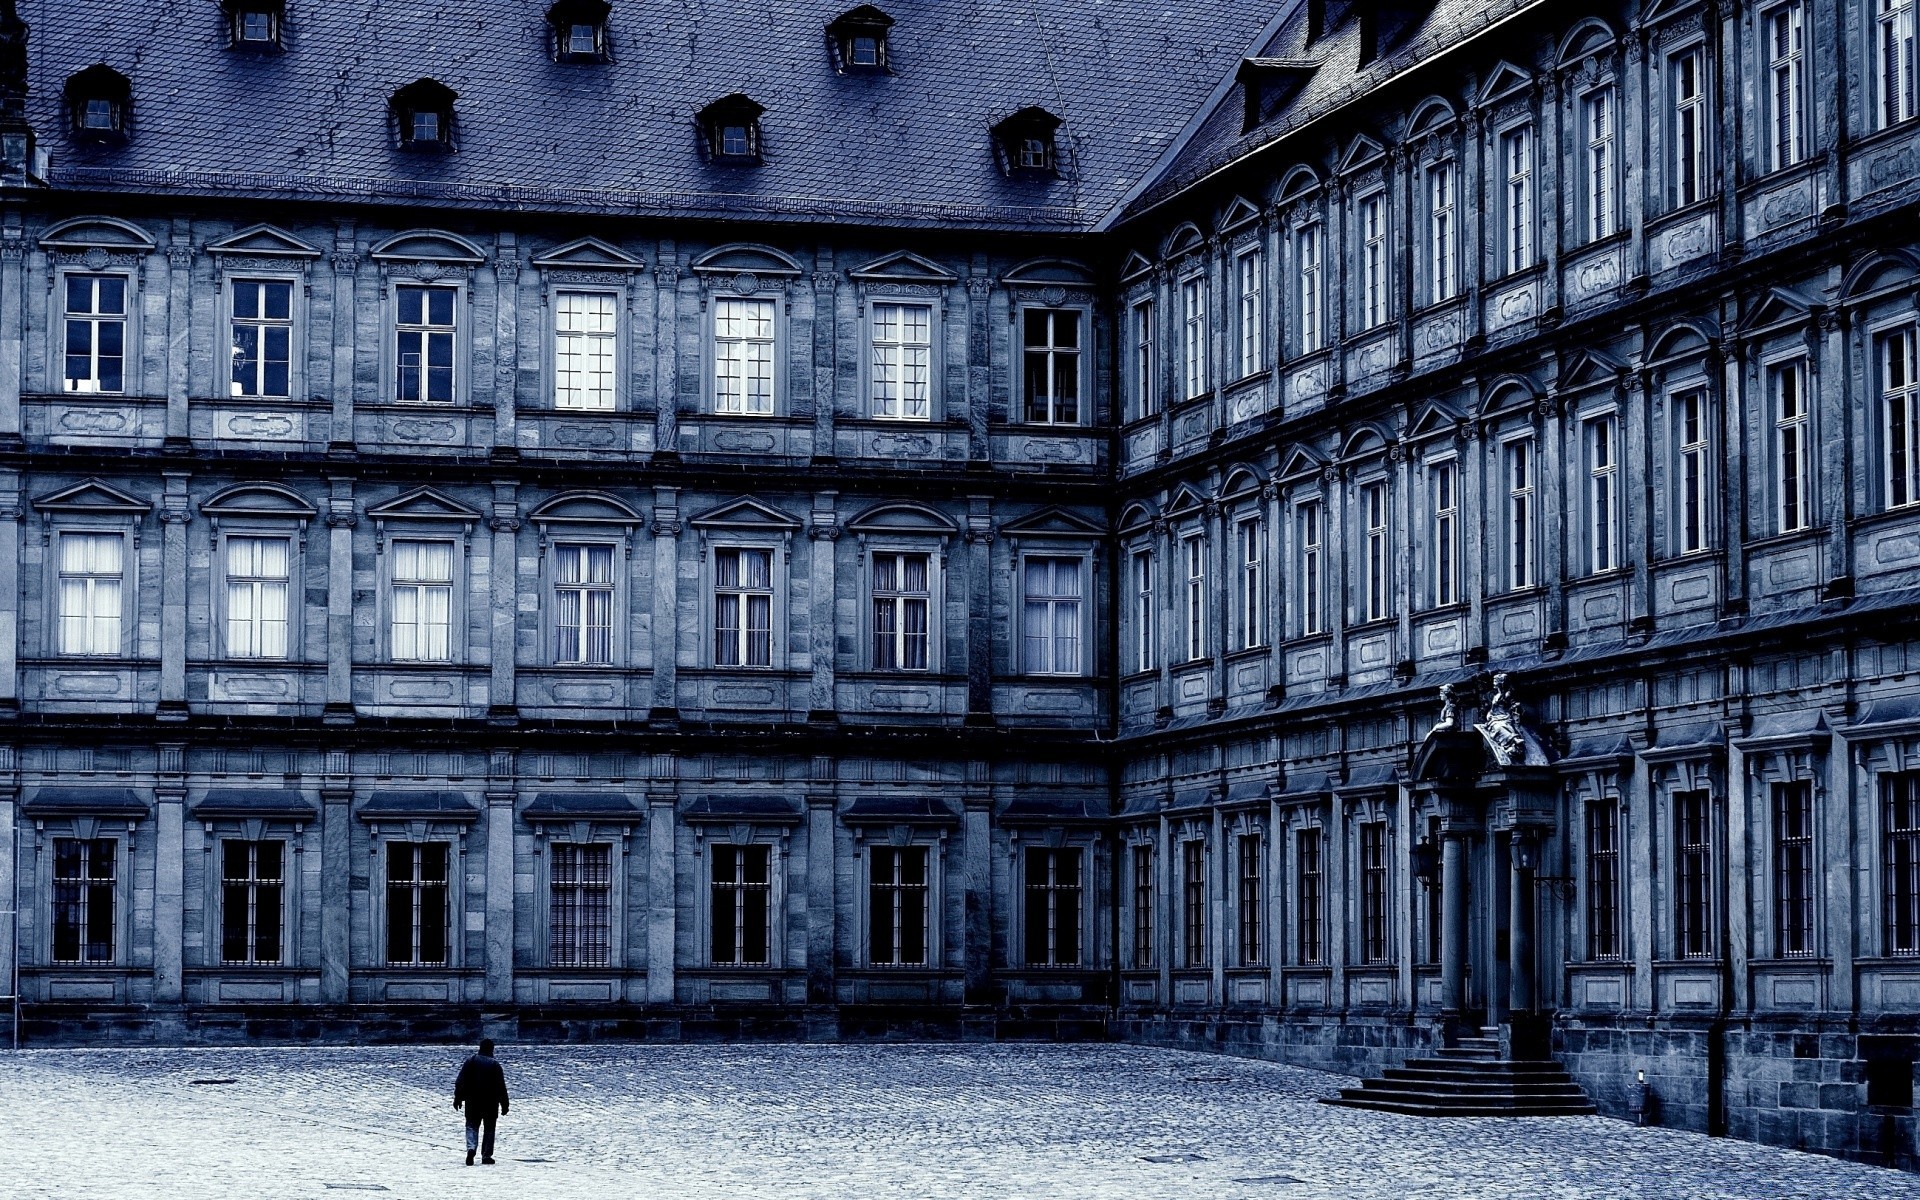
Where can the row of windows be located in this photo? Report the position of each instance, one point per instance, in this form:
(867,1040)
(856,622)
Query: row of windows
(428,354)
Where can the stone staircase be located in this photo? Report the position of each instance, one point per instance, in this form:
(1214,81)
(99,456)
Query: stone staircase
(1470,1079)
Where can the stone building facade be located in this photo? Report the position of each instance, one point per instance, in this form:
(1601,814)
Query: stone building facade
(516,547)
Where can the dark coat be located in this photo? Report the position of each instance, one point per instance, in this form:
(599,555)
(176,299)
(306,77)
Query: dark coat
(482,1086)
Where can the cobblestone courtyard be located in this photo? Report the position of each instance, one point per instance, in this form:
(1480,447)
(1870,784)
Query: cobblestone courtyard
(894,1122)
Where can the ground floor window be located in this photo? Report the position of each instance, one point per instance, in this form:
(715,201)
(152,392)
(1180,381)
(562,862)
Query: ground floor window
(581,882)
(417,903)
(1193,894)
(897,906)
(1603,879)
(1252,927)
(1373,892)
(742,905)
(1143,906)
(1901,861)
(83,899)
(252,884)
(1053,917)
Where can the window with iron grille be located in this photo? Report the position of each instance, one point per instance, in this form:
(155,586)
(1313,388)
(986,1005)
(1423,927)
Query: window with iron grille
(580,882)
(417,904)
(84,871)
(742,900)
(1603,880)
(1793,869)
(1373,892)
(1252,902)
(1900,861)
(1193,902)
(897,906)
(252,885)
(1053,916)
(1693,863)
(1307,884)
(1143,906)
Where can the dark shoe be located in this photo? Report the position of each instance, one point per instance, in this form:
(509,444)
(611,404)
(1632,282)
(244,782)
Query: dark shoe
(469,1158)
(486,1162)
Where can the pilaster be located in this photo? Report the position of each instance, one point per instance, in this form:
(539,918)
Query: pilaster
(169,875)
(662,878)
(341,629)
(666,589)
(502,704)
(174,515)
(500,876)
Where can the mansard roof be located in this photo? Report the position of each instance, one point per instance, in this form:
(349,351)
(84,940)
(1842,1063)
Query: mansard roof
(910,147)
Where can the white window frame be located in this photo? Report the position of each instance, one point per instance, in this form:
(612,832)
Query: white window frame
(895,356)
(1517,204)
(721,337)
(1310,303)
(1250,541)
(456,334)
(1311,525)
(1783,41)
(1443,232)
(744,593)
(584,589)
(1599,120)
(1145,389)
(1194,332)
(1600,452)
(899,599)
(1082,601)
(1443,484)
(1897,377)
(1792,445)
(1055,352)
(1195,596)
(456,639)
(101,640)
(1370,223)
(1894,69)
(261,325)
(1693,469)
(1374,513)
(1145,647)
(95,320)
(600,348)
(1691,126)
(258,586)
(1250,270)
(1520,468)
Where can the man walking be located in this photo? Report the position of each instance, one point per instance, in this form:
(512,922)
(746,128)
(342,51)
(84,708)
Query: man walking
(482,1088)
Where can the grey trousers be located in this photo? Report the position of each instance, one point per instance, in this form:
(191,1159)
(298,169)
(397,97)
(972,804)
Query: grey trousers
(474,1137)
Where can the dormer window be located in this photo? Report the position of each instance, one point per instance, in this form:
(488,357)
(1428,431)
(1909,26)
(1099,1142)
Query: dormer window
(1026,143)
(99,101)
(579,30)
(859,39)
(423,113)
(732,129)
(254,24)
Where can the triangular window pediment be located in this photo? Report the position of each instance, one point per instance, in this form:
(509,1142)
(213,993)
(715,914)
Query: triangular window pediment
(1240,212)
(588,252)
(754,260)
(1434,419)
(422,504)
(258,500)
(1136,265)
(91,496)
(1780,306)
(585,508)
(1363,153)
(1504,80)
(902,266)
(264,241)
(745,513)
(91,233)
(1662,9)
(1051,522)
(1185,499)
(1301,464)
(429,245)
(1589,368)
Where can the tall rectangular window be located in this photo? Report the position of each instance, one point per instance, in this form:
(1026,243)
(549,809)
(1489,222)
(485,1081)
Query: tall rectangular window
(1900,862)
(743,608)
(252,884)
(1793,869)
(1443,239)
(84,871)
(1687,73)
(1597,118)
(903,361)
(1442,479)
(1143,891)
(1253,585)
(1895,60)
(262,328)
(584,342)
(1373,892)
(1193,555)
(1377,562)
(1792,451)
(1307,911)
(1308,307)
(743,349)
(1252,902)
(424,336)
(96,334)
(902,604)
(92,580)
(1521,511)
(257,570)
(1051,632)
(1144,657)
(417,904)
(1053,916)
(1312,610)
(1253,315)
(1053,366)
(897,906)
(1193,336)
(1516,160)
(1146,393)
(741,913)
(1786,34)
(583,603)
(1373,261)
(580,891)
(1603,495)
(1693,863)
(422,601)
(1603,880)
(1193,903)
(1899,418)
(1693,433)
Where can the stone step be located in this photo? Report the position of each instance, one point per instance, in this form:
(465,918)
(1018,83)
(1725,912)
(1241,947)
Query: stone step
(1415,1108)
(1470,1083)
(1477,1068)
(1474,1087)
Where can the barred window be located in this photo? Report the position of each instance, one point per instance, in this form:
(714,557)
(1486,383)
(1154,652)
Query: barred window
(897,910)
(1693,860)
(252,885)
(1053,917)
(743,356)
(1603,880)
(1900,861)
(1252,901)
(417,904)
(1307,884)
(1373,892)
(580,882)
(1143,891)
(1793,869)
(742,905)
(1193,902)
(84,872)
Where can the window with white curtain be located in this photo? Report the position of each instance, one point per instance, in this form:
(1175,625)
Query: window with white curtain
(1253,585)
(257,569)
(1443,250)
(1894,60)
(902,604)
(1376,563)
(1516,159)
(1603,494)
(583,603)
(1785,29)
(584,350)
(1193,555)
(902,361)
(1252,311)
(1053,591)
(1693,434)
(1597,111)
(1792,454)
(1312,613)
(422,600)
(1373,260)
(743,356)
(1307,260)
(92,582)
(743,607)
(1193,336)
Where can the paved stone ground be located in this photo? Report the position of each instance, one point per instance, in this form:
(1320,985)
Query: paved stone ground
(892,1122)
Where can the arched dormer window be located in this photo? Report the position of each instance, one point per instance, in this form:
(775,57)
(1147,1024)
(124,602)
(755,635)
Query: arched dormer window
(100,101)
(255,24)
(731,126)
(859,38)
(423,114)
(1027,144)
(579,30)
